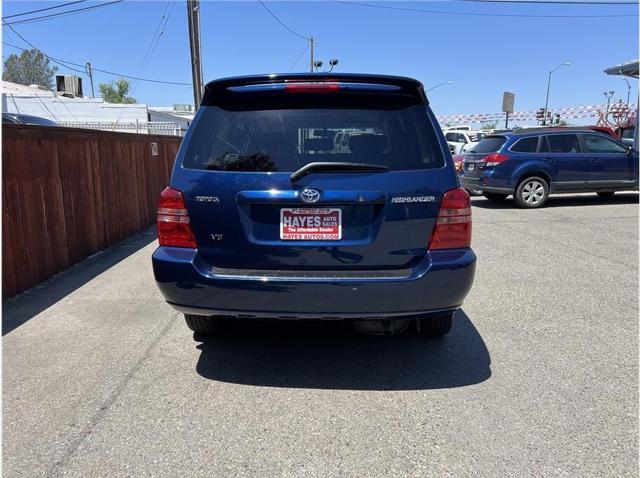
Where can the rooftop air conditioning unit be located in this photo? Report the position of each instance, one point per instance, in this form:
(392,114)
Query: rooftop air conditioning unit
(182,108)
(69,86)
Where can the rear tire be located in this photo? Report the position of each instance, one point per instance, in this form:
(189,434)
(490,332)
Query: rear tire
(435,326)
(202,324)
(606,195)
(532,192)
(495,197)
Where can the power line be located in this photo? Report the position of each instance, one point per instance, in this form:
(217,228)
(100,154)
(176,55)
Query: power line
(298,59)
(282,23)
(155,39)
(43,9)
(68,12)
(33,46)
(551,2)
(121,75)
(443,12)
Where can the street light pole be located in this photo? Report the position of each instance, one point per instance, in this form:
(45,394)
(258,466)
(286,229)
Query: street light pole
(440,84)
(546,103)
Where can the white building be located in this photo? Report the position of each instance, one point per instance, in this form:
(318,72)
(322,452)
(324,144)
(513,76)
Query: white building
(180,114)
(83,112)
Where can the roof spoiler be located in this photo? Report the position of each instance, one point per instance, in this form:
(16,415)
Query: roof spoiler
(224,88)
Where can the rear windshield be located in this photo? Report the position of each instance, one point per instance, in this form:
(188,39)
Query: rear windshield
(286,139)
(489,144)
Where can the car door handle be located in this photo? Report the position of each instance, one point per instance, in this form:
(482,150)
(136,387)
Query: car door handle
(596,161)
(548,160)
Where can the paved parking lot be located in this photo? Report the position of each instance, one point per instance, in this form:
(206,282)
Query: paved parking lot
(538,377)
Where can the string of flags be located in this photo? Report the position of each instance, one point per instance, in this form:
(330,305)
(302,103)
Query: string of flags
(616,110)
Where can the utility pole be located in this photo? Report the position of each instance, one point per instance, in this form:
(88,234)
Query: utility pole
(311,43)
(87,68)
(193,17)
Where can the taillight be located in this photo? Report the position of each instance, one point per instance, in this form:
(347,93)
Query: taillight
(458,160)
(320,87)
(494,159)
(174,228)
(453,225)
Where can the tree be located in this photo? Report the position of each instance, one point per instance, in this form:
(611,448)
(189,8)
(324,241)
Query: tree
(30,68)
(116,93)
(489,125)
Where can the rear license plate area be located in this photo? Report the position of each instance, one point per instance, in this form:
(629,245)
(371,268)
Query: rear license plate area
(310,224)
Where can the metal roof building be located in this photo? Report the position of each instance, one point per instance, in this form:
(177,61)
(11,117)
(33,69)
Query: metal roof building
(35,101)
(626,69)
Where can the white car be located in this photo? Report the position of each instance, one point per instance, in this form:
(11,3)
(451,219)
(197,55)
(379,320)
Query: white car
(461,140)
(460,127)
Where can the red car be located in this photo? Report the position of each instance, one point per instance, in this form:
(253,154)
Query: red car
(605,130)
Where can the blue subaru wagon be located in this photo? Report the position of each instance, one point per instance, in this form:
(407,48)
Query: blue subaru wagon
(532,164)
(315,197)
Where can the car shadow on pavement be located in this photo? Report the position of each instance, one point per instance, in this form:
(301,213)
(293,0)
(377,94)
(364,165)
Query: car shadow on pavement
(26,305)
(331,355)
(561,201)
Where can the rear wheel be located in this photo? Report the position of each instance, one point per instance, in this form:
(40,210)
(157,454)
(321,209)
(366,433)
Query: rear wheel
(435,326)
(495,197)
(202,324)
(606,195)
(532,192)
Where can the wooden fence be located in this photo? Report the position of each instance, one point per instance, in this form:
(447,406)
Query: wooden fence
(68,193)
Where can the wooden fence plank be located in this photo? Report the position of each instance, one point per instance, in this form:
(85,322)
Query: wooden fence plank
(68,193)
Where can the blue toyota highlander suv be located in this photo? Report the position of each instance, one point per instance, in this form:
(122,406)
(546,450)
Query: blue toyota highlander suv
(532,164)
(314,197)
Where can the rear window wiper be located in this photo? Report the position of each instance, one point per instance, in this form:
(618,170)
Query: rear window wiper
(336,167)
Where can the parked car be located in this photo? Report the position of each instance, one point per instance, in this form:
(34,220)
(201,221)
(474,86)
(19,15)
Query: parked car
(604,130)
(15,118)
(458,161)
(530,165)
(265,219)
(626,134)
(457,128)
(460,140)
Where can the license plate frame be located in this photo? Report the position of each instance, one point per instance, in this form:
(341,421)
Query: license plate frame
(312,224)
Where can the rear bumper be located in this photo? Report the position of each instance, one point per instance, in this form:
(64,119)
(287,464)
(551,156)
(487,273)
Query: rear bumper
(479,185)
(439,284)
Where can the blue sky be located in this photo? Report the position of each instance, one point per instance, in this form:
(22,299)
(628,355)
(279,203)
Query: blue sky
(483,55)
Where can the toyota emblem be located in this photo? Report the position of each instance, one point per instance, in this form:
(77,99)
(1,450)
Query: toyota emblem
(310,195)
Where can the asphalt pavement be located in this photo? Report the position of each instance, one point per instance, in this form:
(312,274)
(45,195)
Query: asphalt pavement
(539,376)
